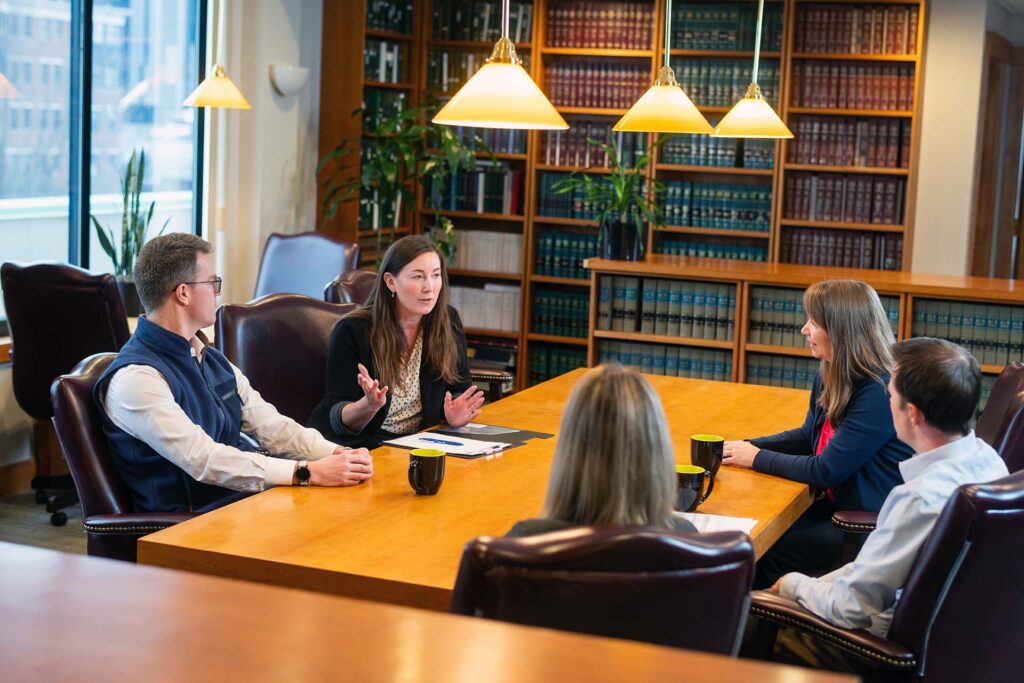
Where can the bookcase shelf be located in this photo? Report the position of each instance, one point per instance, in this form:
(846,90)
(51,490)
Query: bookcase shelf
(504,217)
(388,84)
(663,339)
(721,170)
(552,220)
(485,332)
(894,113)
(552,280)
(572,169)
(459,272)
(802,352)
(855,57)
(838,225)
(389,35)
(367,232)
(596,52)
(687,230)
(472,44)
(871,170)
(593,111)
(556,339)
(743,54)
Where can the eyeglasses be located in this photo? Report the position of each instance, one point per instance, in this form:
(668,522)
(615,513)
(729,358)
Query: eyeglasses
(216,282)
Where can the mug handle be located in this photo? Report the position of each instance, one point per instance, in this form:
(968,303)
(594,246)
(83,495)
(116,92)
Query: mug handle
(414,473)
(711,485)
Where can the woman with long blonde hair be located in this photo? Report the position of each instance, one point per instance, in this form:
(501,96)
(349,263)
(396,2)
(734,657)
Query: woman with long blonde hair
(614,463)
(395,363)
(847,448)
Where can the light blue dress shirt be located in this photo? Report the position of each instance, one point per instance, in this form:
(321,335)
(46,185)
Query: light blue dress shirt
(863,593)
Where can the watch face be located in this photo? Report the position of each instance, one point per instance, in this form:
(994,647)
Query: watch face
(302,474)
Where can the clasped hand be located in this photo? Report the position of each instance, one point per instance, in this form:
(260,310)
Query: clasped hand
(344,467)
(461,411)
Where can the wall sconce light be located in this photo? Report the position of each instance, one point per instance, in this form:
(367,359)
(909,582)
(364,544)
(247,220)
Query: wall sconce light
(287,79)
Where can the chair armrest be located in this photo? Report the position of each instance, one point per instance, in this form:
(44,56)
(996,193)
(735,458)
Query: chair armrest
(134,524)
(487,375)
(855,522)
(785,612)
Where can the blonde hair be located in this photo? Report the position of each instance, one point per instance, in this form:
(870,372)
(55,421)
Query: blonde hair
(858,330)
(614,462)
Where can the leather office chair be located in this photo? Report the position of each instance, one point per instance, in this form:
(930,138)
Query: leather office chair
(355,286)
(280,343)
(351,287)
(303,263)
(641,583)
(111,524)
(58,314)
(958,618)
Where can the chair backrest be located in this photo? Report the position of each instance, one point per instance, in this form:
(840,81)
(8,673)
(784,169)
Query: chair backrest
(58,315)
(964,595)
(76,419)
(280,344)
(641,583)
(303,263)
(351,287)
(1011,447)
(1005,400)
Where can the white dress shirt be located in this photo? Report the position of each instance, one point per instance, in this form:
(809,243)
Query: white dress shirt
(139,401)
(863,593)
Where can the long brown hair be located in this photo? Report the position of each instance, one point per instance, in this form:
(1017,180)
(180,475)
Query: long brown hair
(387,342)
(858,329)
(613,462)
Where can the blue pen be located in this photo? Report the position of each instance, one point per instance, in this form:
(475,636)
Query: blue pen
(446,443)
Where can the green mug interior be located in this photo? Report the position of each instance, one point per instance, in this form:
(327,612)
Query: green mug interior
(427,453)
(712,438)
(689,469)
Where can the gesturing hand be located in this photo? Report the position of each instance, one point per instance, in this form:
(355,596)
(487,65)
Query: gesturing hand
(461,411)
(376,395)
(344,467)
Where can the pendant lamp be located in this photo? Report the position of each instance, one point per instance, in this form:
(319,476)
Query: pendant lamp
(501,94)
(752,116)
(217,90)
(7,89)
(665,107)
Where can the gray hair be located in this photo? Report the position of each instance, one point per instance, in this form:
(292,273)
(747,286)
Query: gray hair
(614,462)
(164,263)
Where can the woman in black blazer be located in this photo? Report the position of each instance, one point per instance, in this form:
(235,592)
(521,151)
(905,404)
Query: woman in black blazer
(398,363)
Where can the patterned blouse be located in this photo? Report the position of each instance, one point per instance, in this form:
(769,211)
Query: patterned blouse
(406,411)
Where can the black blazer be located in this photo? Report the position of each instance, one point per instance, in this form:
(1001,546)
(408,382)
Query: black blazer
(350,345)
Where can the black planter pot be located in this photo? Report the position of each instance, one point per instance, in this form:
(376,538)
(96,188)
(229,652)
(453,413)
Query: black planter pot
(621,241)
(130,296)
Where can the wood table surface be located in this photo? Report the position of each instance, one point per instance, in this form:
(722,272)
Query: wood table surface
(381,542)
(73,618)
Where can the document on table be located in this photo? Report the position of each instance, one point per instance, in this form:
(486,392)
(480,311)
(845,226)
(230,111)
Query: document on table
(451,445)
(709,523)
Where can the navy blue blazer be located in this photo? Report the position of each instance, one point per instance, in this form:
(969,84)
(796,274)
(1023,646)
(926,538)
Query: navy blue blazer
(860,463)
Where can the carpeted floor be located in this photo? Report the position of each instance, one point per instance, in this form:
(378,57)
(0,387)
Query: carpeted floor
(24,521)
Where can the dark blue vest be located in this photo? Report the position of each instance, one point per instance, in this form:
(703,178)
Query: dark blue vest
(208,394)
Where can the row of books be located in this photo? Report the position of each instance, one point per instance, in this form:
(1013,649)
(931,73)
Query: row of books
(725,26)
(845,198)
(389,15)
(494,307)
(723,82)
(671,361)
(592,24)
(449,68)
(844,141)
(551,361)
(596,83)
(677,308)
(494,187)
(707,249)
(380,104)
(869,29)
(878,87)
(384,61)
(570,147)
(707,150)
(566,314)
(491,252)
(374,216)
(727,206)
(994,333)
(842,248)
(554,204)
(498,140)
(781,371)
(480,20)
(561,254)
(777,315)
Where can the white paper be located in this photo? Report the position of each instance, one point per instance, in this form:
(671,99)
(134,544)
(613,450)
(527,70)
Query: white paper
(449,444)
(710,523)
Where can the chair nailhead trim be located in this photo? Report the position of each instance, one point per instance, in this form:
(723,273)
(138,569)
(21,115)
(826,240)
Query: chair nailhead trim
(114,530)
(832,638)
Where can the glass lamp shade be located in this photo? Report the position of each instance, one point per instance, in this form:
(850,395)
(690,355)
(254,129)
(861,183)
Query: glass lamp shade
(501,95)
(7,89)
(217,91)
(752,117)
(664,108)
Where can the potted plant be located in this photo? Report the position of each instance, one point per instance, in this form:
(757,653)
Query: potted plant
(622,200)
(134,226)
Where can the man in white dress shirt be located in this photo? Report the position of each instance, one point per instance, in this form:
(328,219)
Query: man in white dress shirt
(934,392)
(174,408)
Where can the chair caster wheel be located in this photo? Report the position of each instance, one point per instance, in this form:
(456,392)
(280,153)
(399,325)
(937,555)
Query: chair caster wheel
(58,519)
(41,496)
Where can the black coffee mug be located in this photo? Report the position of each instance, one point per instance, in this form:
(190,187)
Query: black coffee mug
(691,480)
(426,471)
(706,452)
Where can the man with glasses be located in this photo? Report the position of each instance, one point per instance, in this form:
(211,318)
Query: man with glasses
(175,409)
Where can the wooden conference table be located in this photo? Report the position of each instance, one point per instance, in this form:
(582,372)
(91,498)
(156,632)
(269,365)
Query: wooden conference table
(73,618)
(381,542)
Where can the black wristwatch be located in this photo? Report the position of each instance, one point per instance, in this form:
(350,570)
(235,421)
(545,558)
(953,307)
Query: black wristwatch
(302,473)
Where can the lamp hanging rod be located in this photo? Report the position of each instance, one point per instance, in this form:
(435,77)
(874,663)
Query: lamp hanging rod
(504,18)
(668,29)
(757,40)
